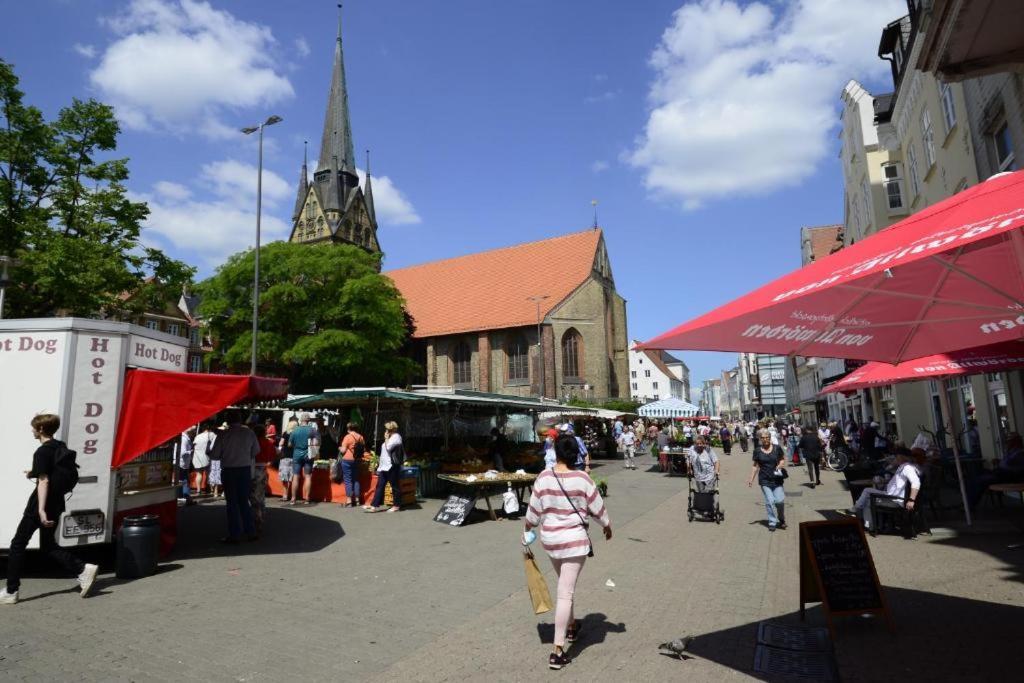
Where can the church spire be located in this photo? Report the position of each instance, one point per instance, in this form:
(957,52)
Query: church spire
(336,140)
(368,192)
(300,198)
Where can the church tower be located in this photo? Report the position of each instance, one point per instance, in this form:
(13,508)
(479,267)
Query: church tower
(333,208)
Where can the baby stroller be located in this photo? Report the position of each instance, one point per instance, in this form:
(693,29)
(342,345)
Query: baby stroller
(704,504)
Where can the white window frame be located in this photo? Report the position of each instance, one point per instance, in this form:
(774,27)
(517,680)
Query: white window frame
(893,181)
(948,105)
(195,364)
(194,337)
(654,385)
(153,325)
(1007,163)
(915,178)
(647,373)
(173,328)
(927,139)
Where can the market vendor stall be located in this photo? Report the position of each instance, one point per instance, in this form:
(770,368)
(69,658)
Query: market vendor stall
(445,431)
(491,484)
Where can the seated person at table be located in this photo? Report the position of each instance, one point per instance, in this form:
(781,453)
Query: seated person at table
(906,475)
(1009,470)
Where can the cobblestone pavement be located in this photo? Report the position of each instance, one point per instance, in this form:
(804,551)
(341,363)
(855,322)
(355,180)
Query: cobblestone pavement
(334,594)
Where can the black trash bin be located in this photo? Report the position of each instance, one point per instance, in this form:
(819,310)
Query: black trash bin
(138,547)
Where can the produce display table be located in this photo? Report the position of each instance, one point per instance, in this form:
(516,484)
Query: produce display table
(491,487)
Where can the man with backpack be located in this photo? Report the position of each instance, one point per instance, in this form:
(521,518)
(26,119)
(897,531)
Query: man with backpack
(56,474)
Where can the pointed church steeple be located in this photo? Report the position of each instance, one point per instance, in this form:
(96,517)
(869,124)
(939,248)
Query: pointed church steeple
(368,192)
(336,140)
(300,198)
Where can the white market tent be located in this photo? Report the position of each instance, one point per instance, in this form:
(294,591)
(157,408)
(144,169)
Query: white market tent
(669,407)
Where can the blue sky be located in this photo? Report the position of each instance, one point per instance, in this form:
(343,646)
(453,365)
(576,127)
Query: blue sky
(706,130)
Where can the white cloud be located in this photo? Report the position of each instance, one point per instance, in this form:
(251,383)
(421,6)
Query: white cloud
(606,96)
(390,204)
(184,65)
(173,191)
(87,51)
(209,231)
(236,181)
(600,78)
(598,166)
(301,47)
(744,99)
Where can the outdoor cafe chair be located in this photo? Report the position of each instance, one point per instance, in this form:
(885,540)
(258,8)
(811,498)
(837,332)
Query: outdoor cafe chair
(890,512)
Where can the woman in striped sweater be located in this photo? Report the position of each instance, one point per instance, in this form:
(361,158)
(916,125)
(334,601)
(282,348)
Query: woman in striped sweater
(561,504)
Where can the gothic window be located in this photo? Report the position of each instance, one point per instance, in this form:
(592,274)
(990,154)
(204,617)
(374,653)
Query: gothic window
(310,210)
(357,235)
(462,369)
(572,355)
(518,353)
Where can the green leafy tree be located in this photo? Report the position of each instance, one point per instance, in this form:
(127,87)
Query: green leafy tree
(65,215)
(622,405)
(326,316)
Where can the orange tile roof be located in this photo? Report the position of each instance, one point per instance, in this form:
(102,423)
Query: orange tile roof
(824,240)
(491,290)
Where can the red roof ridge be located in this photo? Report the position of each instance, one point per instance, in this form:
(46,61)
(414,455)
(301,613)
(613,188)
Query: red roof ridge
(497,249)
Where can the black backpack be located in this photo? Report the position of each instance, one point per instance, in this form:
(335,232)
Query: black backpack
(65,470)
(359,450)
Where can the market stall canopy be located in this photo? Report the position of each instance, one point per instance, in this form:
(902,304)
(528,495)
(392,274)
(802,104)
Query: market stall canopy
(949,277)
(668,407)
(158,406)
(993,358)
(338,398)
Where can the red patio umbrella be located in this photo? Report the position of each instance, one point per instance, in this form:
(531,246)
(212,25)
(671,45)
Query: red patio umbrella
(948,277)
(992,358)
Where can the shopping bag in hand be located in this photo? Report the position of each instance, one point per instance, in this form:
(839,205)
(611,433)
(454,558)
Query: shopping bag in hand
(536,584)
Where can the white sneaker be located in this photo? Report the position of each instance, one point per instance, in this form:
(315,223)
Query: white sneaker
(87,578)
(8,598)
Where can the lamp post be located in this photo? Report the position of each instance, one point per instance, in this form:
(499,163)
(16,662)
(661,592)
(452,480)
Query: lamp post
(540,342)
(5,261)
(256,267)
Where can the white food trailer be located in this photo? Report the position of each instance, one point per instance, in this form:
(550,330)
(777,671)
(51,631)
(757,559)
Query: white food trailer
(123,399)
(75,368)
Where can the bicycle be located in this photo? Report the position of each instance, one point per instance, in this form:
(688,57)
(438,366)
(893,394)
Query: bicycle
(837,459)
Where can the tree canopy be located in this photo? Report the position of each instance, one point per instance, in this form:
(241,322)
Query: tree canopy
(326,316)
(66,217)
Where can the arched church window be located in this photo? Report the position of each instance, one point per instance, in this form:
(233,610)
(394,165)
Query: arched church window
(572,354)
(518,353)
(462,366)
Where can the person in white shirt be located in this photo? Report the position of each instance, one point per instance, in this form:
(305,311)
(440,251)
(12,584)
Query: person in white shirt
(628,443)
(774,434)
(824,433)
(201,448)
(389,469)
(906,475)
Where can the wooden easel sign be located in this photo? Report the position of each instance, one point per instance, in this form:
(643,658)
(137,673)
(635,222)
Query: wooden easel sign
(836,569)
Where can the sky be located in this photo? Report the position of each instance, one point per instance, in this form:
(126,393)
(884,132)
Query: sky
(706,130)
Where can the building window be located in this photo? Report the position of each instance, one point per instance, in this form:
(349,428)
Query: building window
(193,336)
(310,210)
(647,373)
(656,397)
(893,185)
(462,368)
(865,191)
(174,328)
(915,179)
(654,385)
(195,364)
(948,107)
(1005,158)
(927,139)
(153,325)
(635,386)
(572,352)
(518,359)
(633,373)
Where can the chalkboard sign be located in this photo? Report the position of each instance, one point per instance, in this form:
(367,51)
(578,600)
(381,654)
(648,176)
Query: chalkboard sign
(456,510)
(836,569)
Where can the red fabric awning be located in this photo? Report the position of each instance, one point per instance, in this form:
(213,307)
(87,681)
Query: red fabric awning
(949,277)
(158,406)
(994,358)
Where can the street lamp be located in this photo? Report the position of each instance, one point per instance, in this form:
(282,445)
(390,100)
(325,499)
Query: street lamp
(5,261)
(256,268)
(540,342)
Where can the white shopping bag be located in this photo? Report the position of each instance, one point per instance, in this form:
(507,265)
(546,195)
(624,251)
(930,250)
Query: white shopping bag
(510,502)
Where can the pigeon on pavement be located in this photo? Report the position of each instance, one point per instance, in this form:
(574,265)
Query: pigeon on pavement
(677,646)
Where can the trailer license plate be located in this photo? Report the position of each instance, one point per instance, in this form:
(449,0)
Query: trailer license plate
(83,524)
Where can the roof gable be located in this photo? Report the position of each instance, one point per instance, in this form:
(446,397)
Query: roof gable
(493,289)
